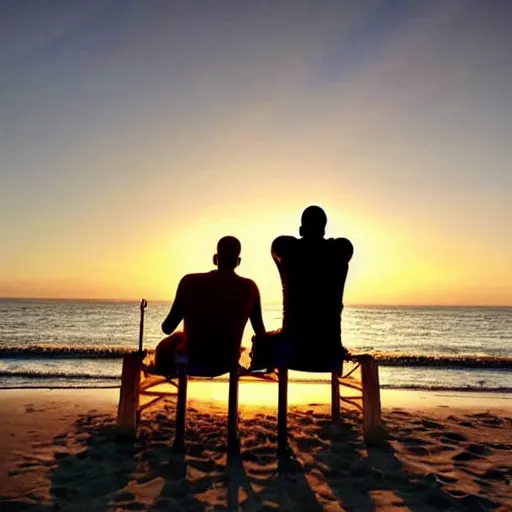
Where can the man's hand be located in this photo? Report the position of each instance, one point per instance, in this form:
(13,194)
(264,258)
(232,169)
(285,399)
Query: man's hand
(256,314)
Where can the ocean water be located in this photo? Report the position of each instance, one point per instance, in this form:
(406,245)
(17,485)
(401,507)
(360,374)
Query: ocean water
(68,343)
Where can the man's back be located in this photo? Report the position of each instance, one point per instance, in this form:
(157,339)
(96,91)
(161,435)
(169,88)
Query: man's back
(313,273)
(216,307)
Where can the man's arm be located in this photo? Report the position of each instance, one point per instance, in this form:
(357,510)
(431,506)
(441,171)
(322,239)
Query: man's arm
(279,246)
(176,313)
(256,314)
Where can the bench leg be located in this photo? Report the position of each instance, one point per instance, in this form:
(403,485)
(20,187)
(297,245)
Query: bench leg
(335,397)
(372,426)
(127,411)
(233,412)
(282,411)
(181,411)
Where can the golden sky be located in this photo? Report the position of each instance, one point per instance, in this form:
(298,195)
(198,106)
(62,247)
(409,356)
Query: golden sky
(133,137)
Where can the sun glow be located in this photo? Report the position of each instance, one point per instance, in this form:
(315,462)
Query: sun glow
(380,265)
(390,265)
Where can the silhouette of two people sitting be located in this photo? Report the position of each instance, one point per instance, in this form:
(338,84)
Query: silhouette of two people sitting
(216,306)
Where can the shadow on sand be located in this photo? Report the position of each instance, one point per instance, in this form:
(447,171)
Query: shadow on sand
(328,466)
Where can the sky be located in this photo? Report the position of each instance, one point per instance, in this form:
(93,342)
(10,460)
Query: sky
(135,134)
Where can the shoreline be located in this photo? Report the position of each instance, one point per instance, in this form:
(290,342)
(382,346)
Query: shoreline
(300,393)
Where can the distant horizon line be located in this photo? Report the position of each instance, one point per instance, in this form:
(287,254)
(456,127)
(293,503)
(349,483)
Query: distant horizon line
(268,303)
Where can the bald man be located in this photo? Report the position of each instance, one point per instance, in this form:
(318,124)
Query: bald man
(313,271)
(215,307)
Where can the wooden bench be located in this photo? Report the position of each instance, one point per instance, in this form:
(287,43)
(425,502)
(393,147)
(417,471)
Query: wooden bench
(139,380)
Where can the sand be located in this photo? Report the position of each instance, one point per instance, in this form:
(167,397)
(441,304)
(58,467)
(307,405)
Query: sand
(59,451)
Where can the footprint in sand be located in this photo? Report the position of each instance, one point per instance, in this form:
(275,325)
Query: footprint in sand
(455,436)
(489,420)
(413,441)
(449,437)
(498,473)
(306,420)
(399,412)
(445,479)
(480,449)
(426,424)
(464,456)
(432,424)
(418,450)
(440,448)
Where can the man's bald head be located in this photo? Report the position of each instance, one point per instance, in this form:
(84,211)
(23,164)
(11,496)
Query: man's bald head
(228,252)
(313,222)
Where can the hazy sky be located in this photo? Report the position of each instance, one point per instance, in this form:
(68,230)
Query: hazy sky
(134,134)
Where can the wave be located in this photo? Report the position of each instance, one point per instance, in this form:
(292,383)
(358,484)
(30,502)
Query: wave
(455,389)
(445,360)
(64,351)
(36,374)
(61,380)
(383,358)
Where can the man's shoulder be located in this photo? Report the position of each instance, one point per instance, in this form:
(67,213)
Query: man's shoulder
(196,275)
(247,282)
(188,279)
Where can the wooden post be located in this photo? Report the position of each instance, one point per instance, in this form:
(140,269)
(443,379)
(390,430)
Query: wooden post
(372,427)
(143,306)
(335,397)
(129,396)
(233,411)
(282,411)
(181,409)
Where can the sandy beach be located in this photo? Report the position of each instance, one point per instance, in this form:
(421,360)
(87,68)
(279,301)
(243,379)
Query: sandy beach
(59,451)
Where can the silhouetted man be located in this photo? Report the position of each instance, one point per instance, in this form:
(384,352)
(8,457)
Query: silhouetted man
(215,307)
(313,271)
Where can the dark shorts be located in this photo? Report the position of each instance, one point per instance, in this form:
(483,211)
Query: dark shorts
(205,362)
(167,349)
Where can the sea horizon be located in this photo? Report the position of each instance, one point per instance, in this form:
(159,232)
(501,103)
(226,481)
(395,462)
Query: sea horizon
(264,303)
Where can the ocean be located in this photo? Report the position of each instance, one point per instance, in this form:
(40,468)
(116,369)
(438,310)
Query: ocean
(78,343)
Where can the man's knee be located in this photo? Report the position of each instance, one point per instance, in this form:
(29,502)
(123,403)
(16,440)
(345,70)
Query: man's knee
(165,351)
